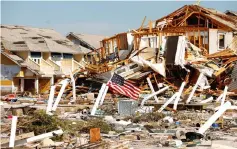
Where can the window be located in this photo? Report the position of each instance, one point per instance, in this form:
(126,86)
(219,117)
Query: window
(56,55)
(36,57)
(35,54)
(67,56)
(221,39)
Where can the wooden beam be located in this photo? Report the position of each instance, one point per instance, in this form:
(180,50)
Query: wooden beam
(171,14)
(142,23)
(150,26)
(181,23)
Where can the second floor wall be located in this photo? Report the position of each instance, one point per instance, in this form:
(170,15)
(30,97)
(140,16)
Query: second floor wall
(48,62)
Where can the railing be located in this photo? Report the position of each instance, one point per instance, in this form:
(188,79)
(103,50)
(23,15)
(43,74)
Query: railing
(33,65)
(77,65)
(36,60)
(52,63)
(66,65)
(46,67)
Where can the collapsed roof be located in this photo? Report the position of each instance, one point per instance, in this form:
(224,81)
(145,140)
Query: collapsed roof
(178,17)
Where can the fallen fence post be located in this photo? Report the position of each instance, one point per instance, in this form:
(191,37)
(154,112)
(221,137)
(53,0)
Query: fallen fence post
(167,102)
(214,117)
(104,94)
(45,135)
(224,95)
(50,101)
(178,96)
(195,87)
(98,99)
(219,98)
(13,131)
(73,88)
(64,84)
(151,87)
(207,100)
(154,94)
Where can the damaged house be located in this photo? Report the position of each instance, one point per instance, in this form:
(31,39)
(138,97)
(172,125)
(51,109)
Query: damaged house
(206,28)
(183,38)
(88,44)
(32,59)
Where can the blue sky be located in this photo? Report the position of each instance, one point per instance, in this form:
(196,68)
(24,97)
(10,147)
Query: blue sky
(94,17)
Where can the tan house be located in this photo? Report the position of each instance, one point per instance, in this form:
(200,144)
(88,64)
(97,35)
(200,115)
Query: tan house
(89,45)
(34,58)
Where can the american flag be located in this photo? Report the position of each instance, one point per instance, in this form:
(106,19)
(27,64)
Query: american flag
(124,87)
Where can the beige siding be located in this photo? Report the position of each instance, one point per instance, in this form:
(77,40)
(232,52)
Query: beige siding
(66,65)
(46,68)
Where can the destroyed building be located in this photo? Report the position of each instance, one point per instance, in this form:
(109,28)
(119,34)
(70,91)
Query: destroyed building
(171,83)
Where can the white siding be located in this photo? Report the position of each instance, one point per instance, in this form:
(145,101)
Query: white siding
(228,39)
(213,41)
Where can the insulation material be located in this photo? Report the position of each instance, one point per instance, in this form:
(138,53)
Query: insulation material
(206,71)
(180,53)
(163,43)
(203,82)
(130,39)
(158,67)
(153,42)
(213,46)
(144,42)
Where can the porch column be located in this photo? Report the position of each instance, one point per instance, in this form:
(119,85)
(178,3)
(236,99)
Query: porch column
(22,84)
(52,81)
(37,85)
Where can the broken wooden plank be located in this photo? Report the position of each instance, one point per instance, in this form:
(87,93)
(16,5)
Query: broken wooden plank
(45,135)
(13,131)
(50,101)
(154,94)
(19,137)
(64,84)
(152,89)
(168,101)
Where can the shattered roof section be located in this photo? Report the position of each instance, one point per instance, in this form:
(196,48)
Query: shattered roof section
(231,12)
(21,38)
(92,40)
(212,13)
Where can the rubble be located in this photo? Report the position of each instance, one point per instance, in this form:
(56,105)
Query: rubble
(164,91)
